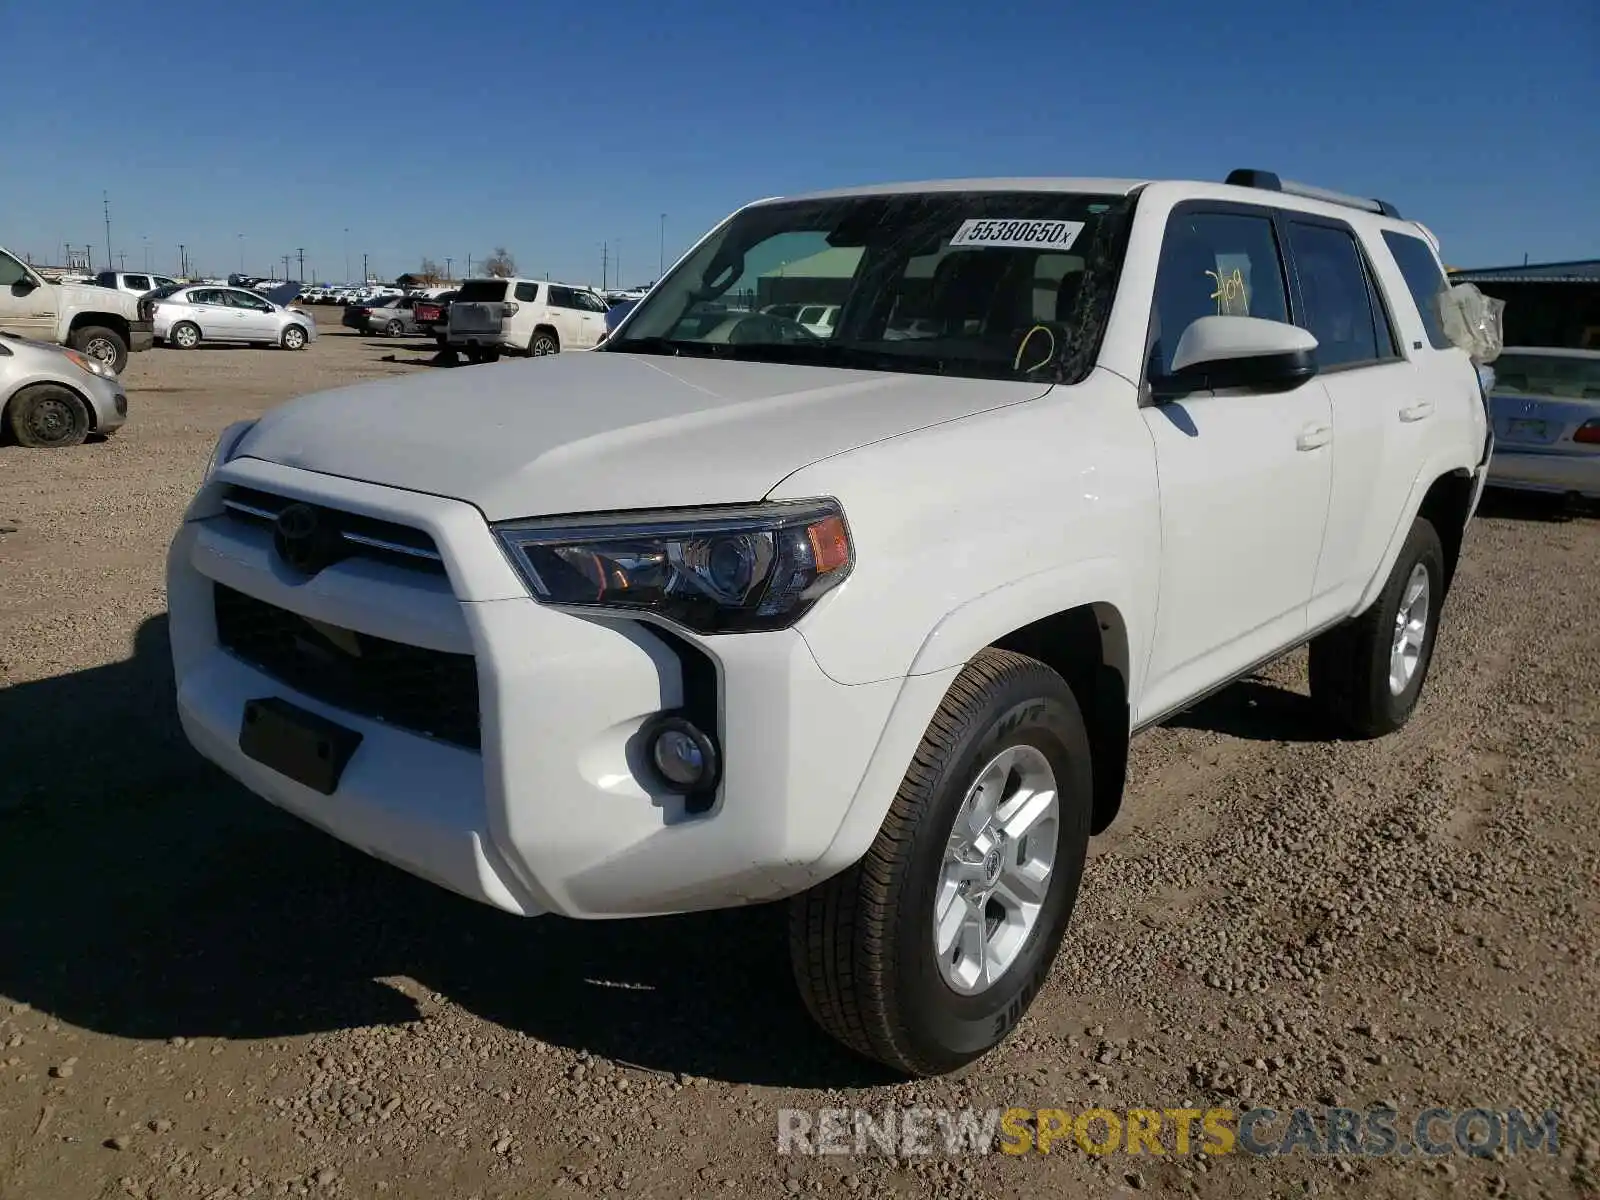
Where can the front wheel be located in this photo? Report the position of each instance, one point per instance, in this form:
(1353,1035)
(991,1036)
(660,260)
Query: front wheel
(294,338)
(1368,673)
(48,417)
(107,345)
(926,953)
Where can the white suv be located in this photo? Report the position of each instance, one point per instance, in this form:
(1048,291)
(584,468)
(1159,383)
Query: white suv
(724,613)
(524,316)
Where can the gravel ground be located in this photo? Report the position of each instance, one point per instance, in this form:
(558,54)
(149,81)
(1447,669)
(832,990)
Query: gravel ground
(201,997)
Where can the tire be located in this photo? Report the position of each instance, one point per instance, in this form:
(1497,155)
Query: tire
(393,329)
(862,943)
(185,335)
(47,416)
(543,342)
(489,356)
(294,338)
(105,344)
(1360,673)
(440,340)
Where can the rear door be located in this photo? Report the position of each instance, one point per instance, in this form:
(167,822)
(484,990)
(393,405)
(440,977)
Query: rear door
(1368,381)
(212,313)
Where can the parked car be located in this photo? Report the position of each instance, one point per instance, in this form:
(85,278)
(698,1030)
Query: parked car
(523,316)
(392,316)
(52,397)
(819,318)
(1546,409)
(432,315)
(713,617)
(191,315)
(134,283)
(101,322)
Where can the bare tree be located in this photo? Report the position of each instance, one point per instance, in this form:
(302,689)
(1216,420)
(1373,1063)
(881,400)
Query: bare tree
(430,271)
(500,263)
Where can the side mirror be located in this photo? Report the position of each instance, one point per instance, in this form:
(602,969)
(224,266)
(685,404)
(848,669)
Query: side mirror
(24,286)
(1240,352)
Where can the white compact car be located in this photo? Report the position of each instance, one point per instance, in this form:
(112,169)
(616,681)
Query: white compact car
(718,614)
(187,316)
(523,316)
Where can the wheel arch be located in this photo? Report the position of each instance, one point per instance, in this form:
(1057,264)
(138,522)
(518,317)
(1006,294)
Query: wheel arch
(1443,494)
(116,322)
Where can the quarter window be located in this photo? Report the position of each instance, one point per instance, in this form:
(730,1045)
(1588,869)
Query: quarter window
(1333,284)
(1215,264)
(1424,279)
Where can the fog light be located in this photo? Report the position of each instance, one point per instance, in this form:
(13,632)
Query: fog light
(684,757)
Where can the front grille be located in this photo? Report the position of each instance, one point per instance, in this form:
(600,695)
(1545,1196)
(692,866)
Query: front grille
(431,692)
(365,537)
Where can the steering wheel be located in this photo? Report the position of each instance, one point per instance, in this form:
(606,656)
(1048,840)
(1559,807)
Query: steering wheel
(764,327)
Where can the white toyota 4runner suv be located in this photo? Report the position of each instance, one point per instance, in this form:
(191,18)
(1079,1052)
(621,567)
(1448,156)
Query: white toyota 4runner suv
(725,613)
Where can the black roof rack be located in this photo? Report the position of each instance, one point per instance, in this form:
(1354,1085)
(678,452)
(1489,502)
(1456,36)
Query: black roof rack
(1267,181)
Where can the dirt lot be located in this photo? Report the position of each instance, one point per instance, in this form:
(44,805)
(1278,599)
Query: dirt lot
(201,997)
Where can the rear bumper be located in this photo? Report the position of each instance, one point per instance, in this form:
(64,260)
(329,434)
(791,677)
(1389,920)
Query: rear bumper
(1545,471)
(141,335)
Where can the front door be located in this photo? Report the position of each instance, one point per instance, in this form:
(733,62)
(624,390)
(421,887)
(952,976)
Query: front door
(257,320)
(1244,476)
(27,303)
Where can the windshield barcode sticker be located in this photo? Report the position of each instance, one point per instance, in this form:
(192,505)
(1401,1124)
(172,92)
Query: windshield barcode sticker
(1025,235)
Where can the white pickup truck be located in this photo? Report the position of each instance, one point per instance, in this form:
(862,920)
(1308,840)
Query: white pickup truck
(725,612)
(101,322)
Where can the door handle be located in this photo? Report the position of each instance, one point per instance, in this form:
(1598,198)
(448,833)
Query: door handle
(1313,436)
(1418,411)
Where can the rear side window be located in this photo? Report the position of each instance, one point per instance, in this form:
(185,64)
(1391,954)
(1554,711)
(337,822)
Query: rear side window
(481,290)
(561,297)
(1424,280)
(1333,285)
(527,292)
(1215,264)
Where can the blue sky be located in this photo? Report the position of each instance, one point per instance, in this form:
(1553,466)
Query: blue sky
(447,128)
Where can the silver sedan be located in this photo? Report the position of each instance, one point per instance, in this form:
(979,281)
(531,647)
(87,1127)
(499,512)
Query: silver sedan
(188,316)
(50,397)
(1546,408)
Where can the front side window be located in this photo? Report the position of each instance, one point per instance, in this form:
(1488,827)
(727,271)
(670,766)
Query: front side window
(11,271)
(1333,285)
(1214,264)
(142,282)
(1424,279)
(940,283)
(245,300)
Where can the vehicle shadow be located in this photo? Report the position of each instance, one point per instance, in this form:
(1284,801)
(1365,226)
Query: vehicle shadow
(143,894)
(1257,709)
(1515,505)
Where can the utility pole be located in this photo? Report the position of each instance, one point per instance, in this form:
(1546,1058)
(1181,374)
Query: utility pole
(447,261)
(661,257)
(469,267)
(347,254)
(145,238)
(105,199)
(183,262)
(605,262)
(285,267)
(301,251)
(363,270)
(122,258)
(619,264)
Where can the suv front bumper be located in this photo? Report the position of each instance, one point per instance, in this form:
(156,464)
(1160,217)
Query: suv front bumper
(559,810)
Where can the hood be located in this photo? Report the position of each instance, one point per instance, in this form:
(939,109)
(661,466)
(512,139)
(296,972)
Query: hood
(93,296)
(592,431)
(279,293)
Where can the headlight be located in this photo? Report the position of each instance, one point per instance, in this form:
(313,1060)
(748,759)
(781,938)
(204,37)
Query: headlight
(713,570)
(92,365)
(227,446)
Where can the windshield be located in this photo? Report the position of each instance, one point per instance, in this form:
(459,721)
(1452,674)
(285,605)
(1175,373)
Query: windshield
(480,290)
(1561,375)
(980,284)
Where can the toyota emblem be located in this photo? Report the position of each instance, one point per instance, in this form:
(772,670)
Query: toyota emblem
(304,540)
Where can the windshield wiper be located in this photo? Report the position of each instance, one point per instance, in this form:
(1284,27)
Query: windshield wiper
(661,345)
